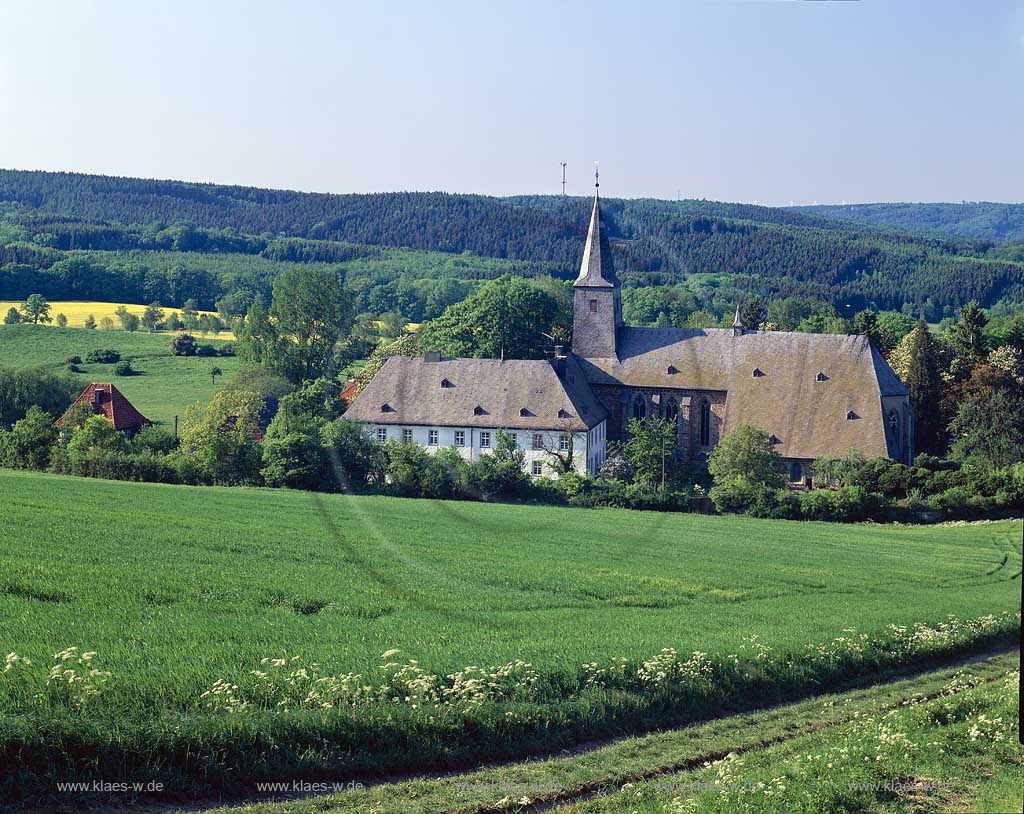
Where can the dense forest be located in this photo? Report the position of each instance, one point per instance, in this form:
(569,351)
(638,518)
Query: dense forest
(76,236)
(979,220)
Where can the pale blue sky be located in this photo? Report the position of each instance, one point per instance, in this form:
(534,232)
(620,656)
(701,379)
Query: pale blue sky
(774,102)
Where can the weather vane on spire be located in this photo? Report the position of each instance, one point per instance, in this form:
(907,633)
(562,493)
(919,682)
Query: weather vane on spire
(597,181)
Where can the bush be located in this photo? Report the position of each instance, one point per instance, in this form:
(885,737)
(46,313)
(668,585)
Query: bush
(816,504)
(737,493)
(73,360)
(103,357)
(227,349)
(959,503)
(124,368)
(183,345)
(206,350)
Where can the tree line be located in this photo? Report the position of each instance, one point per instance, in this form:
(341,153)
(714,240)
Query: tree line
(771,252)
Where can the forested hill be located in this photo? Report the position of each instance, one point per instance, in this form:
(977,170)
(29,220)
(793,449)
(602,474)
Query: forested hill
(978,220)
(772,252)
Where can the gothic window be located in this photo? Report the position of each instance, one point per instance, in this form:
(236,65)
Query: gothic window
(705,423)
(639,408)
(894,428)
(672,410)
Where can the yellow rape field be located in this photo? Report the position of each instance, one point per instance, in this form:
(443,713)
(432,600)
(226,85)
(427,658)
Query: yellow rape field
(78,310)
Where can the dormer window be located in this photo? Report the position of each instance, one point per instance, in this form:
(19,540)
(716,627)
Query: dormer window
(525,413)
(564,414)
(672,369)
(446,383)
(758,373)
(821,377)
(386,408)
(851,416)
(478,410)
(774,440)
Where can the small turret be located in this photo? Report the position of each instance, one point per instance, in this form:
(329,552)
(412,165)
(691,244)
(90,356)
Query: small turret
(737,323)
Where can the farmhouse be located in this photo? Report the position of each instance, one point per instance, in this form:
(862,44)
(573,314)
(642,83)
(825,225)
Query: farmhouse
(816,394)
(107,401)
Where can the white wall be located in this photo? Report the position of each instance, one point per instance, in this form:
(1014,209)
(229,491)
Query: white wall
(589,448)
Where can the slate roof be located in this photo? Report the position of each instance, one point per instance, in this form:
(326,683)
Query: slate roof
(596,268)
(786,399)
(510,393)
(111,404)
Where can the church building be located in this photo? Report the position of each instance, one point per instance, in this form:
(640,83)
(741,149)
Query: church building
(815,394)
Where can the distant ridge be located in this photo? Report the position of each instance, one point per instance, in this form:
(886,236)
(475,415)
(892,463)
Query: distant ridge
(980,220)
(734,248)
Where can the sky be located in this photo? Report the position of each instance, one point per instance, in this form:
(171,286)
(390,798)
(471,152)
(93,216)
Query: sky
(767,102)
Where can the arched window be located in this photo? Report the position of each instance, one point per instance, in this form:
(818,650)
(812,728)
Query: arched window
(894,428)
(705,423)
(639,408)
(672,410)
(796,472)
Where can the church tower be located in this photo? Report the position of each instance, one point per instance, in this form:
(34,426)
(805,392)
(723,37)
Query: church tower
(597,300)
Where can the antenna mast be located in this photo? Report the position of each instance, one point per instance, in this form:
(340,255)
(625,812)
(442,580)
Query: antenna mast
(563,179)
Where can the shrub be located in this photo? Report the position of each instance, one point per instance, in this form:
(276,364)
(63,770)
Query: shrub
(737,493)
(103,357)
(183,345)
(227,349)
(959,503)
(816,505)
(73,360)
(206,350)
(124,368)
(27,445)
(12,317)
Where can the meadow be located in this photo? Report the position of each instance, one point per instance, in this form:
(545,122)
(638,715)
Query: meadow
(181,592)
(162,386)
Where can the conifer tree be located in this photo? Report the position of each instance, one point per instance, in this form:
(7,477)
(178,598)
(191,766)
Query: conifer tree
(925,386)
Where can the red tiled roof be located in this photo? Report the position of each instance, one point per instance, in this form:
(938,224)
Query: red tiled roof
(111,404)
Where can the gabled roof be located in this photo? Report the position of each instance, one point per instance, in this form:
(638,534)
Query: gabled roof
(596,268)
(511,393)
(108,401)
(787,399)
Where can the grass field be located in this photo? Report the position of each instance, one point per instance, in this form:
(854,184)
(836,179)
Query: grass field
(163,386)
(177,588)
(663,772)
(77,311)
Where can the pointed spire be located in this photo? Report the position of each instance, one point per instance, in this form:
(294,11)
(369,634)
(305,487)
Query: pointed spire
(596,268)
(737,323)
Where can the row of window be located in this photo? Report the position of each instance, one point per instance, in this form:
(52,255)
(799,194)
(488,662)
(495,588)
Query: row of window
(537,441)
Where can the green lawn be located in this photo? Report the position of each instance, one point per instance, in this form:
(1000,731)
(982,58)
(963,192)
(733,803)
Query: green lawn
(176,588)
(164,385)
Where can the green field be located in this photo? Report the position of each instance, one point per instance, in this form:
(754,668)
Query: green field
(163,386)
(176,588)
(662,772)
